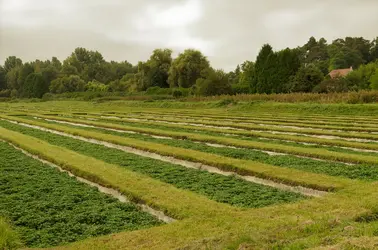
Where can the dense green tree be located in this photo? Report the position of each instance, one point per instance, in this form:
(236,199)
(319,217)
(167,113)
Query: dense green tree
(89,65)
(34,86)
(306,79)
(120,69)
(234,76)
(332,85)
(3,78)
(118,86)
(360,78)
(351,52)
(288,70)
(360,45)
(69,70)
(187,68)
(25,70)
(12,78)
(287,66)
(215,83)
(374,81)
(159,65)
(374,50)
(154,72)
(315,51)
(346,58)
(95,86)
(274,70)
(247,74)
(49,74)
(11,63)
(56,63)
(264,67)
(71,83)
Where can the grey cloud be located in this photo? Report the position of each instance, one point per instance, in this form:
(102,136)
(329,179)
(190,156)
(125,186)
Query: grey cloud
(229,32)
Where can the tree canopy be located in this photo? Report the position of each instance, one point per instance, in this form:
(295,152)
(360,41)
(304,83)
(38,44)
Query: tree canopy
(302,69)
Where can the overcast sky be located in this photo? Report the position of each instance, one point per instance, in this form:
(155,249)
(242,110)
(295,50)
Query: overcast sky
(227,31)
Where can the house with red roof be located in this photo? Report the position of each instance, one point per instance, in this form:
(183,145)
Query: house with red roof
(340,72)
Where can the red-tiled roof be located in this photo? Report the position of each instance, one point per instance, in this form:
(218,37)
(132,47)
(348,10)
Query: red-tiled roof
(340,72)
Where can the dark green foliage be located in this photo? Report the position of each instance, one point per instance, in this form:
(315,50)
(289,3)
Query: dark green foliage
(346,58)
(177,93)
(5,93)
(240,89)
(264,67)
(247,77)
(215,83)
(361,78)
(35,86)
(3,78)
(25,71)
(220,188)
(272,72)
(287,66)
(332,86)
(49,208)
(374,50)
(159,64)
(374,81)
(306,79)
(234,76)
(11,63)
(71,83)
(315,51)
(187,68)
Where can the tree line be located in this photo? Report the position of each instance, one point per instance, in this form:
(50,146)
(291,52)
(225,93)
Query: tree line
(301,69)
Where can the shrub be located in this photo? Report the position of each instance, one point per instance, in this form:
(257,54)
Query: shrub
(158,91)
(226,102)
(14,93)
(48,97)
(177,93)
(96,86)
(71,83)
(240,89)
(5,93)
(335,85)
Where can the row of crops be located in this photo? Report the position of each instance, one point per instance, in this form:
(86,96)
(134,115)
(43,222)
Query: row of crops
(161,157)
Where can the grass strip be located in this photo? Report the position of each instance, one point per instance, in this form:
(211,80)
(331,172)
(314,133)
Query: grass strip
(9,238)
(137,187)
(49,208)
(359,171)
(226,189)
(273,121)
(276,146)
(266,128)
(222,113)
(307,145)
(214,139)
(243,167)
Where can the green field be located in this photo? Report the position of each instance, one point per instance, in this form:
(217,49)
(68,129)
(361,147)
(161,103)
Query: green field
(243,176)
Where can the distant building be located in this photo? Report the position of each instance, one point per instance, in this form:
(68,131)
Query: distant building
(340,72)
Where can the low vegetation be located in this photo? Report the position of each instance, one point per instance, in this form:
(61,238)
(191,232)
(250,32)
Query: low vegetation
(49,208)
(220,188)
(9,239)
(210,210)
